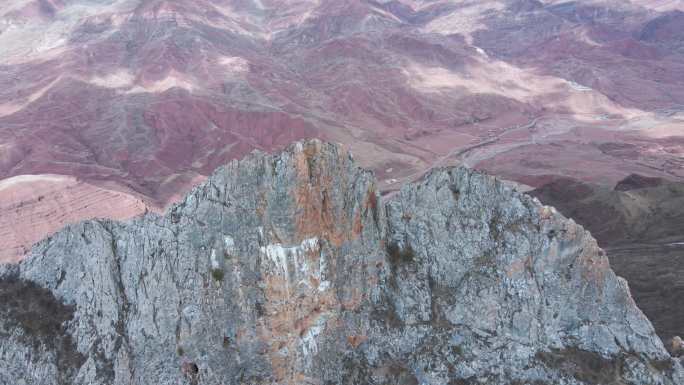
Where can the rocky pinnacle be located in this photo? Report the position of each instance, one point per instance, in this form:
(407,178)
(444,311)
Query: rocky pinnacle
(290,269)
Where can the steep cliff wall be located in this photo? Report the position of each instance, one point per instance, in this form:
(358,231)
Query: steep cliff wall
(288,269)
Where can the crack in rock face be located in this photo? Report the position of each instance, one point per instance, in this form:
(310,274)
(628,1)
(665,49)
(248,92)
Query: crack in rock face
(289,269)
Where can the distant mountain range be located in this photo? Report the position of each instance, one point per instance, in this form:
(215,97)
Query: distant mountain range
(132,101)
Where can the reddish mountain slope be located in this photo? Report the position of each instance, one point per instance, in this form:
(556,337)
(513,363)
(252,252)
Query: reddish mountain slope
(151,95)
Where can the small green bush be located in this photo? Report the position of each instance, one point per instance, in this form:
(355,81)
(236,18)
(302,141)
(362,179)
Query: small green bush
(217,274)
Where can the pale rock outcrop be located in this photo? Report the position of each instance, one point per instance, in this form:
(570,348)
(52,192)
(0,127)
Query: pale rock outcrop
(289,269)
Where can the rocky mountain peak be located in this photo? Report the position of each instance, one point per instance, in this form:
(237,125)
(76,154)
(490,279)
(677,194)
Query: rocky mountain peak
(290,269)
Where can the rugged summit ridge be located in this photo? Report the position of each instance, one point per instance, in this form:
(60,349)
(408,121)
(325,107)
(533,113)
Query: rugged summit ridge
(288,269)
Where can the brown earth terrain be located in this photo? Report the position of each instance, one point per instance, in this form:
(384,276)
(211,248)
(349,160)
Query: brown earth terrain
(147,97)
(636,210)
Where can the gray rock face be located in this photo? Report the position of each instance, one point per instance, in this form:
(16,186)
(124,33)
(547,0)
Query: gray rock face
(288,269)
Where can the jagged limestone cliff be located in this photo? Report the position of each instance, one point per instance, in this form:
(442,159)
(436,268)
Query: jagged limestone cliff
(289,269)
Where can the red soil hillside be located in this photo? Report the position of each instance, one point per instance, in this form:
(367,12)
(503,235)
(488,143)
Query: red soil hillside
(148,97)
